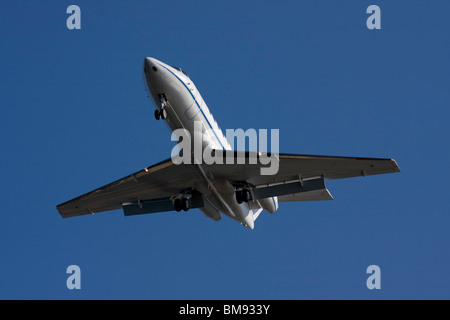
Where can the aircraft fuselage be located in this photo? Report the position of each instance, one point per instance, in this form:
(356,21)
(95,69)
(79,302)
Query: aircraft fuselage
(180,104)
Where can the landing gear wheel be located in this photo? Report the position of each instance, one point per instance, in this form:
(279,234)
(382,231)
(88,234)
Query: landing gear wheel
(177,204)
(163,113)
(185,204)
(246,195)
(239,198)
(157,114)
(243,195)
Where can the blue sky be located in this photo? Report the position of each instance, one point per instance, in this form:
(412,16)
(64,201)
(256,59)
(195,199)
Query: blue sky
(75,116)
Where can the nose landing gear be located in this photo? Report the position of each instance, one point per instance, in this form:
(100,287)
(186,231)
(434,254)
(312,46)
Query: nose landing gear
(161,113)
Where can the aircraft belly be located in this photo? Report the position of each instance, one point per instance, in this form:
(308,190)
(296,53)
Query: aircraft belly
(173,121)
(179,100)
(227,202)
(178,118)
(192,112)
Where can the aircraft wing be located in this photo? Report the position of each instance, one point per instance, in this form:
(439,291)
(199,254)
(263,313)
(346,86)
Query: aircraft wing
(299,178)
(158,182)
(295,166)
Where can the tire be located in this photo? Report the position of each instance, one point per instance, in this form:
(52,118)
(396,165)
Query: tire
(239,198)
(177,204)
(247,195)
(157,114)
(185,204)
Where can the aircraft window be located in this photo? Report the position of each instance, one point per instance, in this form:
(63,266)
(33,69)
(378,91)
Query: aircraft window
(179,69)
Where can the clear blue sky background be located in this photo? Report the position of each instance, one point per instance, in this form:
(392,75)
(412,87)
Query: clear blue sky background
(75,116)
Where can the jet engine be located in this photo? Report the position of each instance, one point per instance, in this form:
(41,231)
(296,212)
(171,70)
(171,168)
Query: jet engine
(269,204)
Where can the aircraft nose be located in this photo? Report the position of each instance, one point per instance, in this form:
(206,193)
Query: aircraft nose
(150,65)
(154,75)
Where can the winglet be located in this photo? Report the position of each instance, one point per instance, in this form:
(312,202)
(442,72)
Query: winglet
(395,165)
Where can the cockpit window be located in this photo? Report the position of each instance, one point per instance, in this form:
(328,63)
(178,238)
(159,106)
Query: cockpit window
(179,69)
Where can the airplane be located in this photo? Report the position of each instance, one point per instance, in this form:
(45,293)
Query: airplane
(237,190)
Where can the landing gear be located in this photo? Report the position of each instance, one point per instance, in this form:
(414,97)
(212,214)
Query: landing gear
(185,204)
(181,204)
(161,113)
(243,195)
(157,114)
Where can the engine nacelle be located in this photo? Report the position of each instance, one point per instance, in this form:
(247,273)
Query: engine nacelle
(269,204)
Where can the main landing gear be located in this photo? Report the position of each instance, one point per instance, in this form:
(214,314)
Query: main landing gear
(161,113)
(243,195)
(181,204)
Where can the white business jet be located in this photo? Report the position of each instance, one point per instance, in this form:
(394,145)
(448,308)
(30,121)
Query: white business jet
(234,188)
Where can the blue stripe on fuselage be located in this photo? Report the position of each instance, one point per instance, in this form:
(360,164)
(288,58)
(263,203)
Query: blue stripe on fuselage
(195,100)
